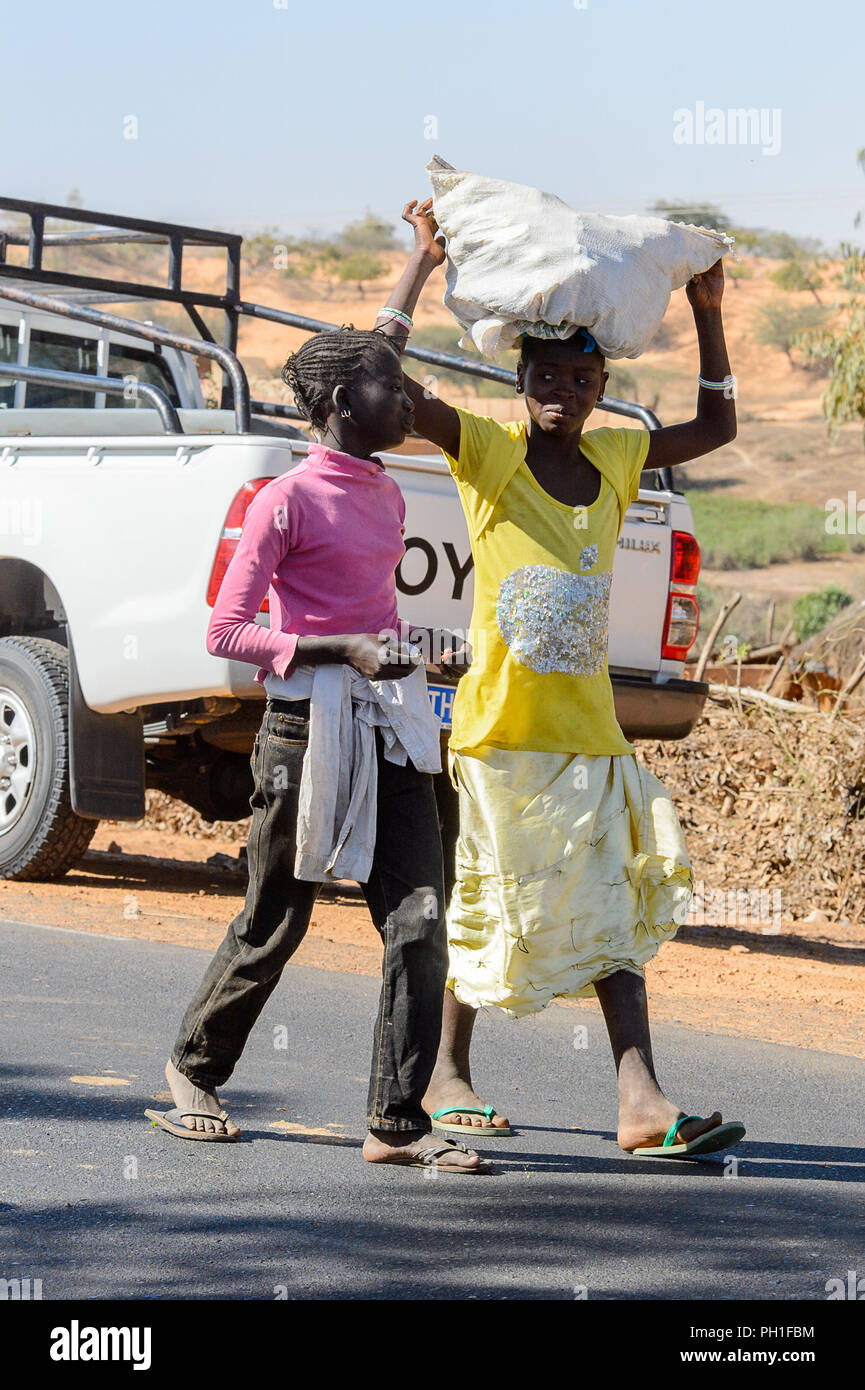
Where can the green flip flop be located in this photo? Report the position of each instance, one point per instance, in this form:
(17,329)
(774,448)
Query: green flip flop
(721,1137)
(489,1130)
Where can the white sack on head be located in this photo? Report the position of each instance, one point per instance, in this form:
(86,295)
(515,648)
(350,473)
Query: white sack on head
(522,261)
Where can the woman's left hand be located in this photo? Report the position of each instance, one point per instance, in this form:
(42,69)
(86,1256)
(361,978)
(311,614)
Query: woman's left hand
(457,658)
(421,217)
(706,290)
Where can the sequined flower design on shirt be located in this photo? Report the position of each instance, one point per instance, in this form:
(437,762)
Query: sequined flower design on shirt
(553,620)
(588,557)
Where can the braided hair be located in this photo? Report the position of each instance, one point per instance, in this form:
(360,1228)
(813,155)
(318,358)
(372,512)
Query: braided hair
(336,357)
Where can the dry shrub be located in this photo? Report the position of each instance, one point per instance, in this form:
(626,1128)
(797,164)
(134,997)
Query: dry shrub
(838,648)
(165,814)
(771,799)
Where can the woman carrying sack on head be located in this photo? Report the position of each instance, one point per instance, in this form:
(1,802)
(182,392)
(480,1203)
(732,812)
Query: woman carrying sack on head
(571,867)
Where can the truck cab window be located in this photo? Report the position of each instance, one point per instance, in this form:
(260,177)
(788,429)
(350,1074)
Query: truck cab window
(8,353)
(144,366)
(68,354)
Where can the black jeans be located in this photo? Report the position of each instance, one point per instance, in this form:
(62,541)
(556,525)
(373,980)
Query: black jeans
(405,897)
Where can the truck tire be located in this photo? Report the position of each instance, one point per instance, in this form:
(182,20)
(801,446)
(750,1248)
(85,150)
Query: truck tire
(40,835)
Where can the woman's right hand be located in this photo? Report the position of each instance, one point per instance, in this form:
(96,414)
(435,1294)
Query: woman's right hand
(421,217)
(379,658)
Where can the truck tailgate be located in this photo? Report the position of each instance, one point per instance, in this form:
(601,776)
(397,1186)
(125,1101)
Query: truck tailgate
(638,599)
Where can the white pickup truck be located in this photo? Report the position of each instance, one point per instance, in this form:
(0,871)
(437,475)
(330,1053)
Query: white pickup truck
(117,522)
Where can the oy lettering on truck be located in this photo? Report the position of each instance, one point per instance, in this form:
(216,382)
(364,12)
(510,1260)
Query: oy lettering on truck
(460,570)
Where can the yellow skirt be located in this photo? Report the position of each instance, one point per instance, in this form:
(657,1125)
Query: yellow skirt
(567,870)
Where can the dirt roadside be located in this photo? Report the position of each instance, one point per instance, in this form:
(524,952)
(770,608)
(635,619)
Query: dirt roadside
(801,984)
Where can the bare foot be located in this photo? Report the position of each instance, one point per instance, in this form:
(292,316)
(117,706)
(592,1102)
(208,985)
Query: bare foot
(402,1146)
(643,1126)
(188,1096)
(453,1090)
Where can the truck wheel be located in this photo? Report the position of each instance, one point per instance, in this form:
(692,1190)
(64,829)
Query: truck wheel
(40,835)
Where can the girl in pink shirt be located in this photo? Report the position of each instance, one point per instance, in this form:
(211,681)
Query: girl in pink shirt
(325,540)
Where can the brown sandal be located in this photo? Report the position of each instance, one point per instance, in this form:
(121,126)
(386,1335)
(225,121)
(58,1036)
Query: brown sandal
(172,1121)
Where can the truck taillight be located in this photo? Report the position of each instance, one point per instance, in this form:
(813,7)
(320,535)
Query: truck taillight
(231,530)
(680,626)
(684,559)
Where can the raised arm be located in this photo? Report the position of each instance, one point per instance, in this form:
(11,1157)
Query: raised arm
(715,421)
(433,419)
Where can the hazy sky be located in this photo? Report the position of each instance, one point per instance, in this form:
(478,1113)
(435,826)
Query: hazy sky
(302,113)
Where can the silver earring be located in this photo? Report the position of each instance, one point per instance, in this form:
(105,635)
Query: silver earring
(345,414)
(600,398)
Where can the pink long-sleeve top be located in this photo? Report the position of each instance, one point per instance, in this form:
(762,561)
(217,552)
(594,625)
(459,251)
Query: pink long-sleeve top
(324,540)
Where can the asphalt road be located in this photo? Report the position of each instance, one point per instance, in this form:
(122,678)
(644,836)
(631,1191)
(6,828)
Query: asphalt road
(98,1204)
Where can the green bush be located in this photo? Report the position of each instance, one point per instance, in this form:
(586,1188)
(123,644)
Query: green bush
(779,323)
(325,254)
(812,612)
(259,251)
(360,265)
(843,348)
(369,234)
(743,533)
(737,270)
(794,276)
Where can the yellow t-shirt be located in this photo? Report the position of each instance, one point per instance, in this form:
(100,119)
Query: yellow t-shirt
(543,572)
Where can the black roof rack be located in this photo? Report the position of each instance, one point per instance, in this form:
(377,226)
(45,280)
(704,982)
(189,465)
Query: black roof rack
(119,230)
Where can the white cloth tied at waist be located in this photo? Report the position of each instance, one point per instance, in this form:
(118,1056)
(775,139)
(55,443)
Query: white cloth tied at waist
(339,783)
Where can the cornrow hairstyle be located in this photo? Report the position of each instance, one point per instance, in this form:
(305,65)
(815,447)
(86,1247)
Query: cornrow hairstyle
(336,357)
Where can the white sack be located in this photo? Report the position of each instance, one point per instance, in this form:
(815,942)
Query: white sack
(522,261)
